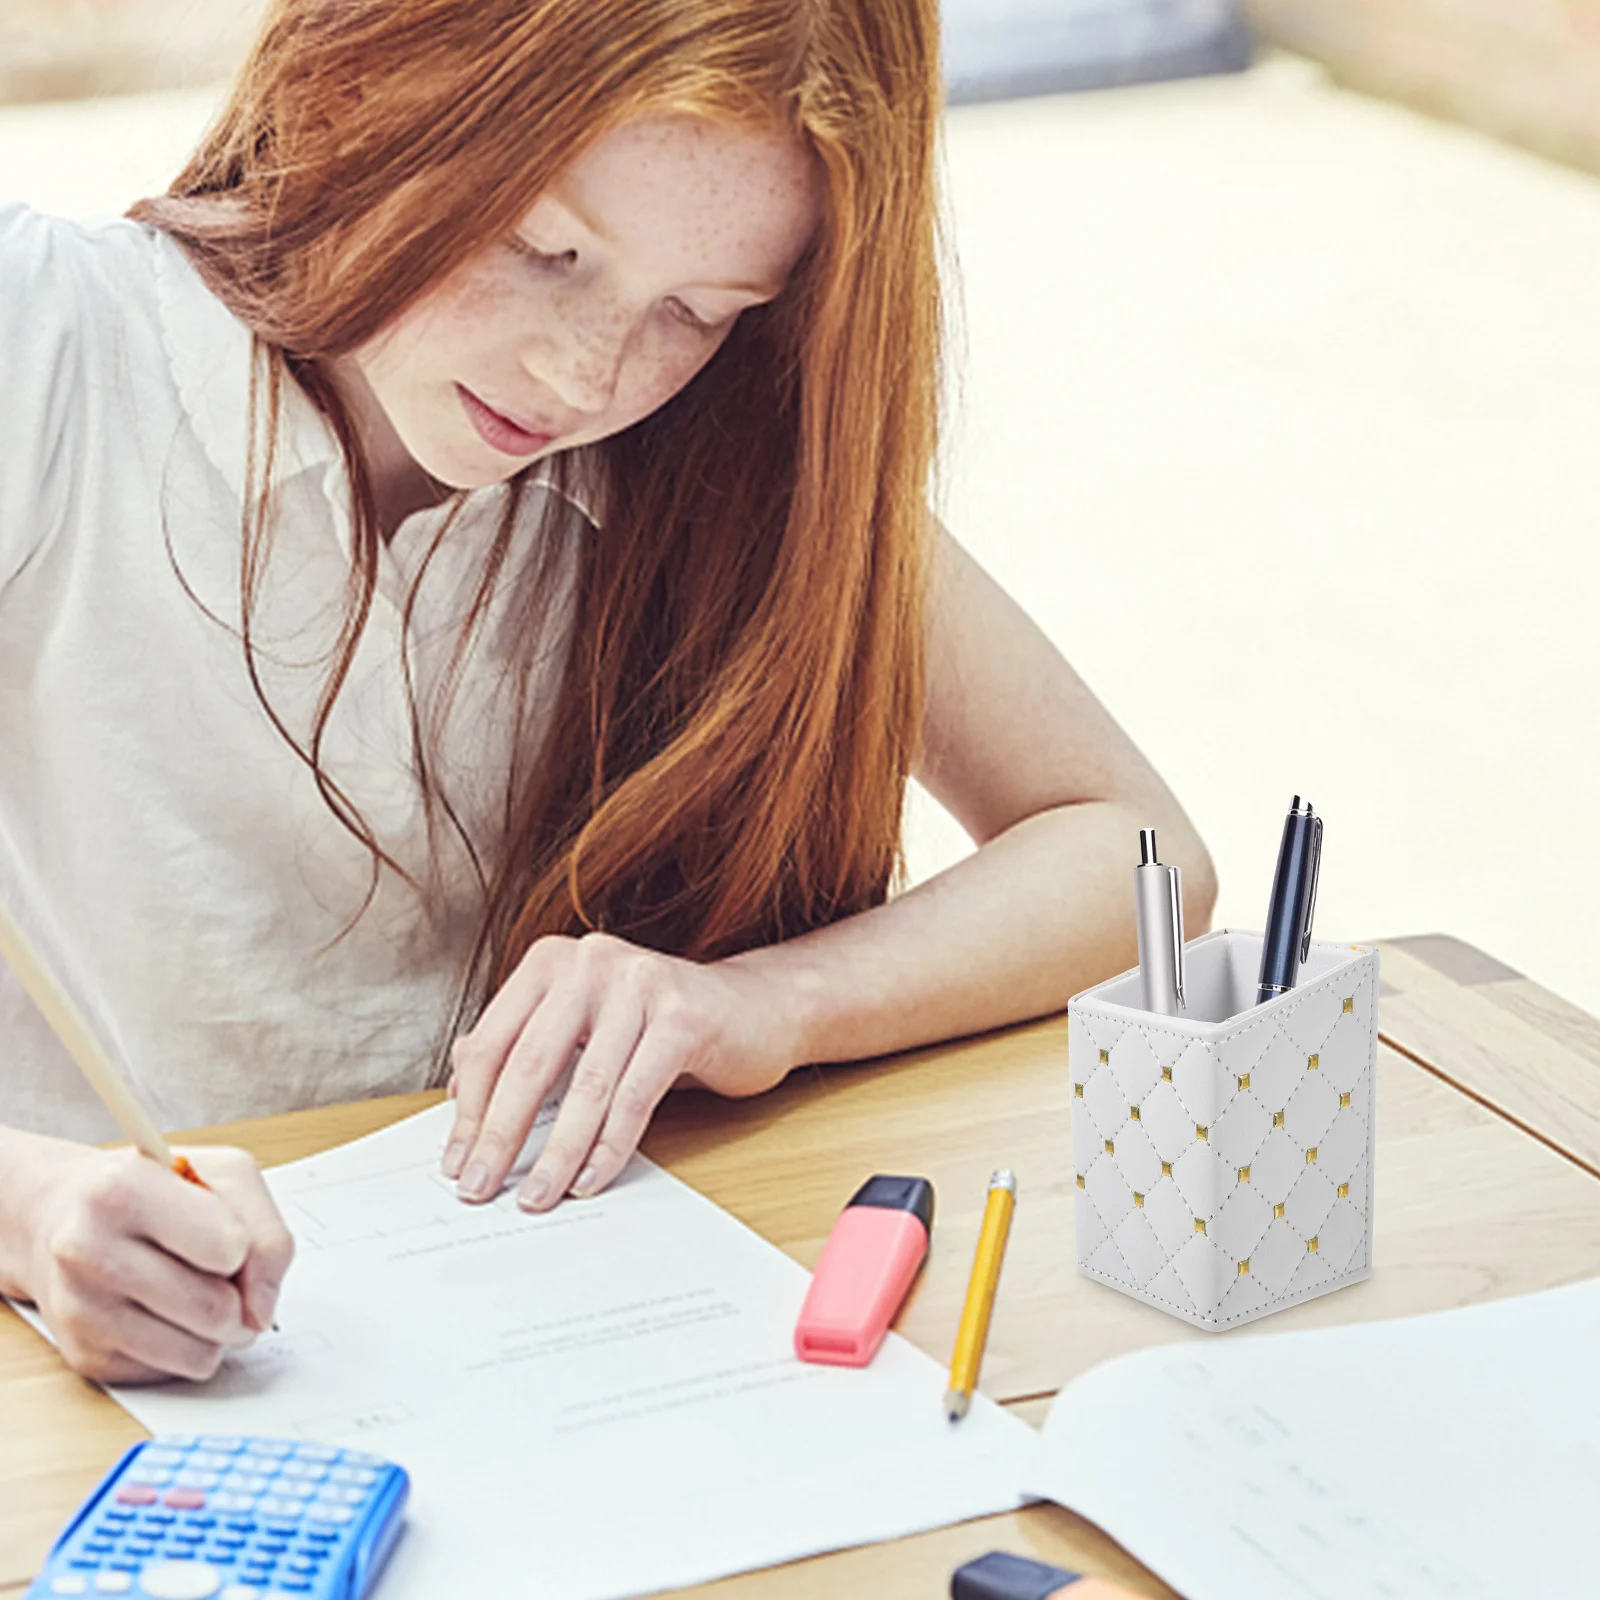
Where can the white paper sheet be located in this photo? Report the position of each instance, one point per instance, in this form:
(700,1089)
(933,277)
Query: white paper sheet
(598,1402)
(1452,1455)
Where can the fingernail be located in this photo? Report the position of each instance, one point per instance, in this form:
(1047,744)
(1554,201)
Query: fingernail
(475,1185)
(263,1302)
(534,1192)
(453,1157)
(584,1182)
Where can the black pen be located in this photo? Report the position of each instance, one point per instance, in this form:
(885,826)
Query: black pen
(1294,901)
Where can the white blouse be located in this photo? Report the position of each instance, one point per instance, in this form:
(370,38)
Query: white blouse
(159,839)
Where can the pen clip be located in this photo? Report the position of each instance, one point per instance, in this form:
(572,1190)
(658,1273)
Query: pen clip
(1175,889)
(1316,873)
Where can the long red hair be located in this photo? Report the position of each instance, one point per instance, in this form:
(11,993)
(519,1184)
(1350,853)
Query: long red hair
(727,759)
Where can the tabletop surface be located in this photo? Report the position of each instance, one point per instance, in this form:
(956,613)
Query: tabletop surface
(1489,1146)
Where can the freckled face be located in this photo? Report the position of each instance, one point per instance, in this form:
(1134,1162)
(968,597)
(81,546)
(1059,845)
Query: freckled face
(612,293)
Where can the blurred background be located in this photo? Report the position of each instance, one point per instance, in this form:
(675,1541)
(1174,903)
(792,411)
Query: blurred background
(1276,400)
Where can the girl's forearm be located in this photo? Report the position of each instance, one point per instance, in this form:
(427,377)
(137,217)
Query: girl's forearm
(1038,913)
(25,1159)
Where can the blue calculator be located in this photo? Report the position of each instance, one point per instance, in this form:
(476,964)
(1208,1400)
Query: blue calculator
(181,1518)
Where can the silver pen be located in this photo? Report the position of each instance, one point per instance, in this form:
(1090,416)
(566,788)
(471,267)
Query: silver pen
(1158,912)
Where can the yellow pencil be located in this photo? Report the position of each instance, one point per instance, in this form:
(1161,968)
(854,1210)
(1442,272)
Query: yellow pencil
(974,1330)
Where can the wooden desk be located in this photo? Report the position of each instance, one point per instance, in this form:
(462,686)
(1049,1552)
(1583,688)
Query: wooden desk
(1470,1206)
(1498,1037)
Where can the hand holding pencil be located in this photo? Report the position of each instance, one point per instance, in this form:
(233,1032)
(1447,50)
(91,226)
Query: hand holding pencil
(142,1266)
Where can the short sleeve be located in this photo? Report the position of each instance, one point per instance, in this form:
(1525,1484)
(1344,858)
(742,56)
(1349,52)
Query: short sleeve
(41,357)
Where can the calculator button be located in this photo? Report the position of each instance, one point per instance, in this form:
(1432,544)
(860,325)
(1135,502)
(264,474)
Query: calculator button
(364,1476)
(272,1547)
(192,1479)
(69,1583)
(189,1535)
(98,1547)
(272,1506)
(155,1456)
(112,1583)
(294,1489)
(339,1515)
(294,1585)
(184,1499)
(240,1591)
(263,1466)
(309,1471)
(139,1473)
(359,1458)
(177,1441)
(168,1580)
(210,1461)
(270,1447)
(227,1447)
(136,1494)
(317,1452)
(160,1519)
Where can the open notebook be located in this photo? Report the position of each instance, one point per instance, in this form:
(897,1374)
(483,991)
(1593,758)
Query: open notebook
(1451,1455)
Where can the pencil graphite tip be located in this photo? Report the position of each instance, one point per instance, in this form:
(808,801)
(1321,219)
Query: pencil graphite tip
(957,1402)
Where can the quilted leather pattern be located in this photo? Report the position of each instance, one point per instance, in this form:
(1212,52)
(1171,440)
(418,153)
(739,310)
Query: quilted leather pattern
(1224,1170)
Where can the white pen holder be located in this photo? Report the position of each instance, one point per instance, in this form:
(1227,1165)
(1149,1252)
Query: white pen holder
(1224,1156)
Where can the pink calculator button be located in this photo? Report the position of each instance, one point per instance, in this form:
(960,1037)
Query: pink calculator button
(184,1499)
(136,1494)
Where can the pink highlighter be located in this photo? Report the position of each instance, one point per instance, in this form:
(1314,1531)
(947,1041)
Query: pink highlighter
(867,1266)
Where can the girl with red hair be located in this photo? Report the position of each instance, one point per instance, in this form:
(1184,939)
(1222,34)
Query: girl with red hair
(466,573)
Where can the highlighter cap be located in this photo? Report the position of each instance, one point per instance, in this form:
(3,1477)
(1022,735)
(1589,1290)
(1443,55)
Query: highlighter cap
(898,1194)
(999,1576)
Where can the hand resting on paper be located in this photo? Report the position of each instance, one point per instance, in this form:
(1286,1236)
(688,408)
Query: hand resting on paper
(139,1275)
(642,1022)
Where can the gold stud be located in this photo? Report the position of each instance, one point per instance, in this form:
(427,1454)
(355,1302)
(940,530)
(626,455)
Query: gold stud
(1133,1113)
(1344,1191)
(1077,1091)
(1344,1100)
(1199,1224)
(1105,1057)
(1166,1074)
(1166,1169)
(1277,1210)
(1200,1132)
(1313,1062)
(1277,1119)
(1244,1080)
(1080,1180)
(1111,1149)
(1311,1156)
(1244,1174)
(1311,1245)
(1138,1199)
(1244,1267)
(1349,1002)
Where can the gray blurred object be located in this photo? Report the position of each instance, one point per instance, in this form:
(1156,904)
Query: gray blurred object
(65,49)
(1003,49)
